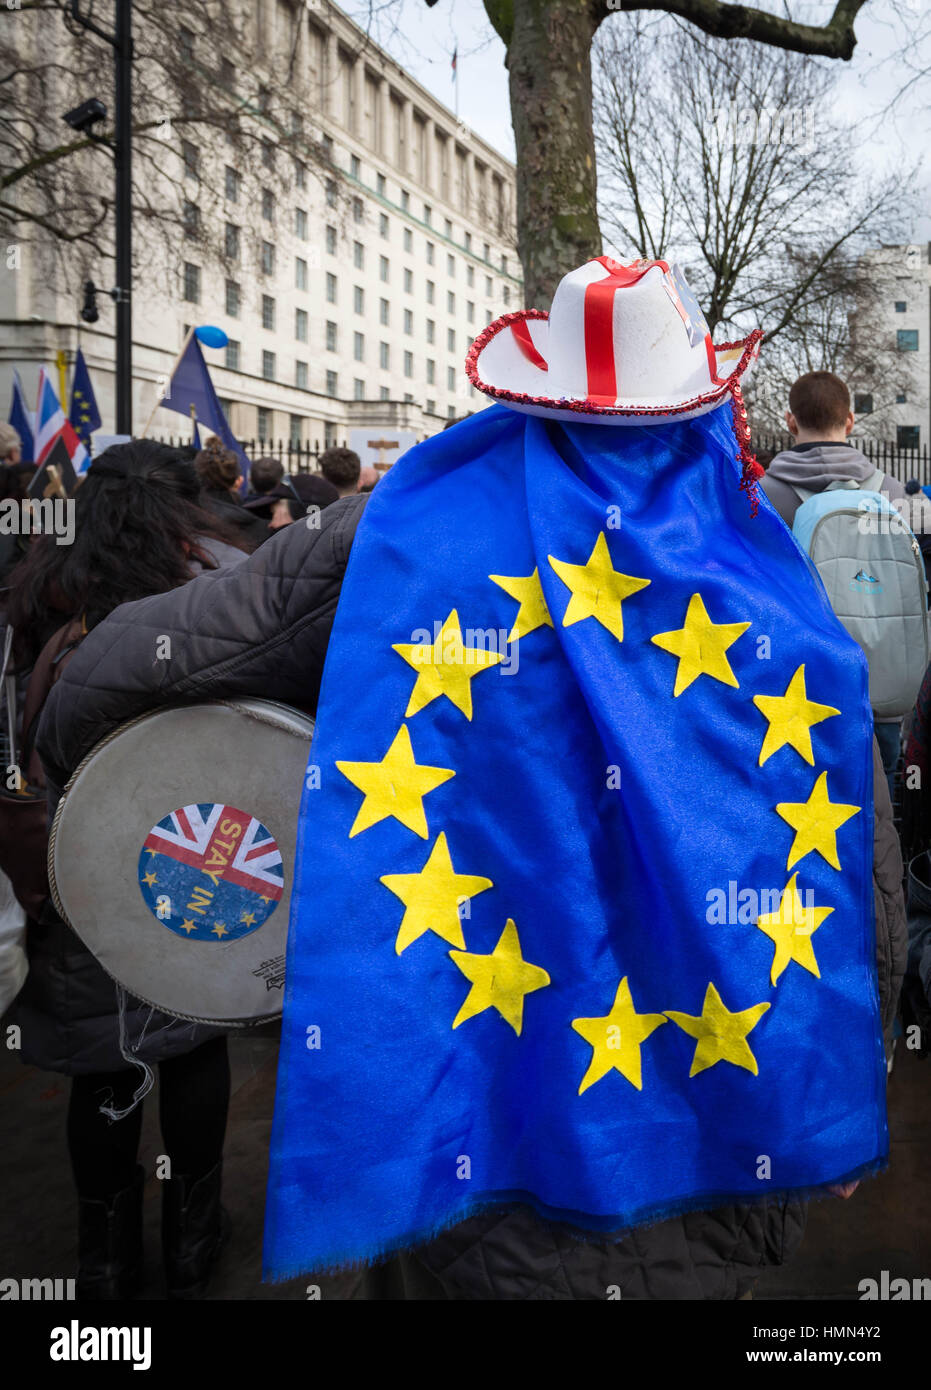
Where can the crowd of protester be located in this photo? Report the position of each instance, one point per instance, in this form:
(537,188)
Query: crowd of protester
(149,518)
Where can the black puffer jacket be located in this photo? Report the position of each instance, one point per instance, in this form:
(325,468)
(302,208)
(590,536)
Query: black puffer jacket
(262,629)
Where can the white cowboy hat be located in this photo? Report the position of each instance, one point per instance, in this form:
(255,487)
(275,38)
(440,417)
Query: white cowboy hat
(622,344)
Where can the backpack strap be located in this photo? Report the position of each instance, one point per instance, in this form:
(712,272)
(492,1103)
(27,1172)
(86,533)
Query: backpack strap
(874,483)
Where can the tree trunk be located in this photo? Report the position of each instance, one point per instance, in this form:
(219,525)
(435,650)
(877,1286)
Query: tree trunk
(549,62)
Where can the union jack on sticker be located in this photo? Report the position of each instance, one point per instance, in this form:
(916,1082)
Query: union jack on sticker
(210,872)
(687,305)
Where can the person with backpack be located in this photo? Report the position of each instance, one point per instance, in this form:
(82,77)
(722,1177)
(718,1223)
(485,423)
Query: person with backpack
(872,551)
(140,529)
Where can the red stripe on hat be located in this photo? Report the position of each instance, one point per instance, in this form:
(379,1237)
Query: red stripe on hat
(599,323)
(712,360)
(521,334)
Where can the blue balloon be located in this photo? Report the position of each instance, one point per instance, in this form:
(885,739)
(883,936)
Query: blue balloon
(211,337)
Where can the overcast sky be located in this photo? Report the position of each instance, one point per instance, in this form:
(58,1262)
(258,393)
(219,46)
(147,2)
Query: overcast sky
(423,41)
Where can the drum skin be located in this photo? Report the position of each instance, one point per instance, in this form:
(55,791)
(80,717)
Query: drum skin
(172,850)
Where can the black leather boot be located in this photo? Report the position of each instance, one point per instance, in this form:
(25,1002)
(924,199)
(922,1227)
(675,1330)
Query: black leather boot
(194,1229)
(110,1244)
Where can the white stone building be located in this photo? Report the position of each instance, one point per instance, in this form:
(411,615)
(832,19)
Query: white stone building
(349,299)
(899,322)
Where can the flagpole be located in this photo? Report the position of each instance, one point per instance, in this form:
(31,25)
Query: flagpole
(184,347)
(62,379)
(193,422)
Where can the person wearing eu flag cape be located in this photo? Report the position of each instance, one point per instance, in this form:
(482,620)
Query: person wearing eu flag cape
(582,996)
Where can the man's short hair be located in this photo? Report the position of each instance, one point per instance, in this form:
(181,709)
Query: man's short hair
(820,401)
(9,440)
(265,474)
(340,466)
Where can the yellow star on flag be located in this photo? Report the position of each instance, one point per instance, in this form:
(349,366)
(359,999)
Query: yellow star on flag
(445,667)
(700,646)
(791,717)
(150,879)
(187,925)
(394,787)
(528,591)
(721,1035)
(432,897)
(247,919)
(597,589)
(220,929)
(791,929)
(816,823)
(499,981)
(615,1039)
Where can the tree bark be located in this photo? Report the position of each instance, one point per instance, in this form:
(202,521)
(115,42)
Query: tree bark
(549,65)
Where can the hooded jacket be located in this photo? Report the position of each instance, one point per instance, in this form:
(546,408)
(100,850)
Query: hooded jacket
(261,629)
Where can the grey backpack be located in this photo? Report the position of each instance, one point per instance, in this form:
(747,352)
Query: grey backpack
(872,569)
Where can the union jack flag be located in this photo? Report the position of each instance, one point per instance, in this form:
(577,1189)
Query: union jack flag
(687,305)
(224,843)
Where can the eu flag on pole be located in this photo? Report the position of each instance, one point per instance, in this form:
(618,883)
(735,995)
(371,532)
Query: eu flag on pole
(582,913)
(21,418)
(190,393)
(83,414)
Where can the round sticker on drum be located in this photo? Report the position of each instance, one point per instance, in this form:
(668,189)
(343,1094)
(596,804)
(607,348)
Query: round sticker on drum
(211,872)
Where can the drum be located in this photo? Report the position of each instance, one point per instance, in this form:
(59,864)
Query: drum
(171,855)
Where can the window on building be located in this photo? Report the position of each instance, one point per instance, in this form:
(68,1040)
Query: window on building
(408,239)
(301,375)
(486,251)
(384,394)
(264,98)
(380,185)
(268,154)
(358,299)
(451,378)
(900,306)
(470,274)
(268,205)
(450,340)
(906,340)
(358,347)
(358,212)
(331,384)
(408,321)
(190,155)
(470,311)
(331,332)
(326,144)
(383,225)
(450,265)
(268,311)
(300,273)
(408,282)
(233,299)
(300,174)
(504,264)
(384,310)
(901,398)
(468,241)
(431,407)
(268,258)
(506,291)
(329,430)
(448,228)
(296,429)
(431,291)
(358,389)
(427,213)
(408,364)
(300,223)
(233,241)
(863,405)
(331,195)
(232,184)
(431,371)
(450,412)
(405,200)
(355,168)
(489,286)
(487,317)
(358,255)
(232,354)
(191,283)
(383,268)
(264,428)
(300,325)
(431,330)
(450,302)
(429,253)
(331,288)
(907,436)
(331,241)
(384,356)
(268,366)
(190,215)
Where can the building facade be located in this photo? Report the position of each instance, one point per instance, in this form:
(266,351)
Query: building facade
(350,282)
(898,322)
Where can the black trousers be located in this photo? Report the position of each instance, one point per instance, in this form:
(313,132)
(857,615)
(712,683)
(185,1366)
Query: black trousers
(193,1096)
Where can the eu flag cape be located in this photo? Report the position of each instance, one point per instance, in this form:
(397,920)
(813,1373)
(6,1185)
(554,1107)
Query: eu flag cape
(582,913)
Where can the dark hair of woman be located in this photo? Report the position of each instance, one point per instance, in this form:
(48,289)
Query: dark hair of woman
(137,529)
(217,467)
